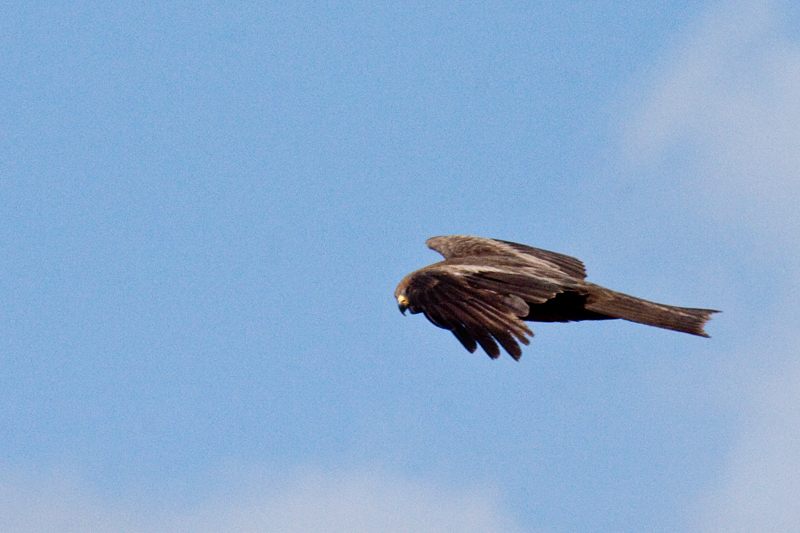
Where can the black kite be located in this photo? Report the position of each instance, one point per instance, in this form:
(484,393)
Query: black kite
(485,289)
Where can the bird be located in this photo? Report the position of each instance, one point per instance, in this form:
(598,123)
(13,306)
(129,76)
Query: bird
(486,289)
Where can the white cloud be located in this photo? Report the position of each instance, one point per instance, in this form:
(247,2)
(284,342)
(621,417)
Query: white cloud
(33,505)
(726,108)
(759,491)
(355,502)
(728,100)
(344,502)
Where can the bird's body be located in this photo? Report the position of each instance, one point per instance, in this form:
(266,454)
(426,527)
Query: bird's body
(486,289)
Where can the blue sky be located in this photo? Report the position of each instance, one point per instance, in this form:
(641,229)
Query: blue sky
(206,208)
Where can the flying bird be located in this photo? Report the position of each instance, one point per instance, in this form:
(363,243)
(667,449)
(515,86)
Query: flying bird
(486,289)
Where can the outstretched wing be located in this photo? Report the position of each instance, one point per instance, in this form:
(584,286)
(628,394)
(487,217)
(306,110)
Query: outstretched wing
(459,246)
(475,316)
(481,305)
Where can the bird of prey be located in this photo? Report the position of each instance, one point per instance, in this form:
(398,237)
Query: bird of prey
(486,289)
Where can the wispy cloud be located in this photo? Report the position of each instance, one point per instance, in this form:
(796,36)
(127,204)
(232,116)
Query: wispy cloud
(729,97)
(726,106)
(29,503)
(311,501)
(758,491)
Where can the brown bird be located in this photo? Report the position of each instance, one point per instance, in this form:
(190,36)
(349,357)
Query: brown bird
(485,289)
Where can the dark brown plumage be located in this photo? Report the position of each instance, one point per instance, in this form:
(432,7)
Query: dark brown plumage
(485,289)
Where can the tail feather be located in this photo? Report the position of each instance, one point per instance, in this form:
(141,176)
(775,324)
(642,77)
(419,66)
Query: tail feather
(618,305)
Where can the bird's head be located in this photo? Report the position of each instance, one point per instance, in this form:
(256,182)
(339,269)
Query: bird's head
(401,293)
(402,302)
